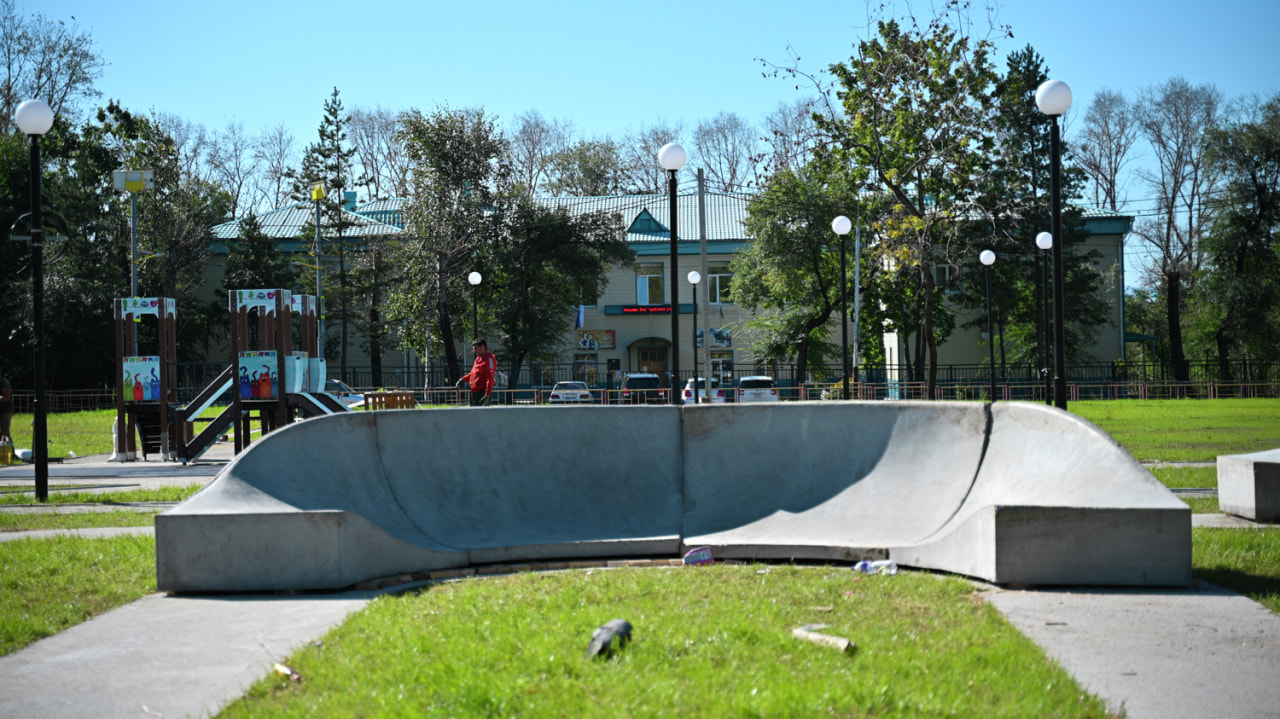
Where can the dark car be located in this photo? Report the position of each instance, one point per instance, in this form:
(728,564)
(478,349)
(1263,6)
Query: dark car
(643,389)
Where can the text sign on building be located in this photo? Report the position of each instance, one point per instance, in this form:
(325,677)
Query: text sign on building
(646,309)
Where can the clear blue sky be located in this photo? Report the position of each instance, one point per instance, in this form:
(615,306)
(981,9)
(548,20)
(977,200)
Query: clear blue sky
(609,68)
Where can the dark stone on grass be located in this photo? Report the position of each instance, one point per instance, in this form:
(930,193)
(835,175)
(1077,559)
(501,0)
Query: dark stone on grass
(602,639)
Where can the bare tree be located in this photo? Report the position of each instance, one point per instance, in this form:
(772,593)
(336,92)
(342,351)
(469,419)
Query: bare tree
(640,157)
(535,143)
(235,166)
(790,136)
(382,159)
(191,143)
(1105,145)
(275,153)
(46,59)
(726,146)
(1174,118)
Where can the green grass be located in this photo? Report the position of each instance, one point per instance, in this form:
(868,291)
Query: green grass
(47,585)
(1187,477)
(12,495)
(708,642)
(27,522)
(83,433)
(1242,560)
(1186,430)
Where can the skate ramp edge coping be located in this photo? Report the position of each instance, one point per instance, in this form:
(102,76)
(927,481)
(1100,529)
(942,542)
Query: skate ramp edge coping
(1011,493)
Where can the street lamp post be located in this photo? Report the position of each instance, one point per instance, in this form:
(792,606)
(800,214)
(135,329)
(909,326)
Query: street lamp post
(34,118)
(672,157)
(1044,241)
(841,226)
(694,278)
(317,194)
(988,258)
(474,280)
(1053,97)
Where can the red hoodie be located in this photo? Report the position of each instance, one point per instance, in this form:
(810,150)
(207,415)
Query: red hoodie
(482,373)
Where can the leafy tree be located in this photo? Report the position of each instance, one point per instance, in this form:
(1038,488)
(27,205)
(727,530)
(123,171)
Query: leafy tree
(544,263)
(255,261)
(1243,247)
(588,168)
(791,268)
(917,105)
(1012,211)
(328,162)
(461,168)
(48,59)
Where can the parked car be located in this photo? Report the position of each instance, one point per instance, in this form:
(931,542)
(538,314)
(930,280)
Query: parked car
(757,389)
(717,394)
(345,394)
(570,393)
(642,389)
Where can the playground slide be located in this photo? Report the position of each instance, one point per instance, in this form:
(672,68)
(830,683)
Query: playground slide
(1011,493)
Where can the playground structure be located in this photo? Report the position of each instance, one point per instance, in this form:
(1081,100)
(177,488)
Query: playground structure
(146,394)
(1013,493)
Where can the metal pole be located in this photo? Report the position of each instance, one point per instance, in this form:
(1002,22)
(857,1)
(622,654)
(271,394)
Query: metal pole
(695,349)
(991,340)
(133,258)
(40,423)
(706,282)
(857,296)
(319,289)
(1059,317)
(844,324)
(1044,329)
(675,291)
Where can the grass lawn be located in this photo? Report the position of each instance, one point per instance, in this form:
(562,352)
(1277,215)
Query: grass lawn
(710,642)
(1186,430)
(86,576)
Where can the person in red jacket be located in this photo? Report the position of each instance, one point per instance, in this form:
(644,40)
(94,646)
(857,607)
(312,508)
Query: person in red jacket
(482,374)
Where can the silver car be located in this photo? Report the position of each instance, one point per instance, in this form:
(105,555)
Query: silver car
(757,389)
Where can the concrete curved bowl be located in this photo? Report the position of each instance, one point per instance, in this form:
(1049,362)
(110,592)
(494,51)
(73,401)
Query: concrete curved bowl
(1011,493)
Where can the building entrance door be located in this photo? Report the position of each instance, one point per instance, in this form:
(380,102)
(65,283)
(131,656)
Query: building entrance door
(653,361)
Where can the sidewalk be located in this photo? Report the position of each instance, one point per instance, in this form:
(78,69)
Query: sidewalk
(1196,652)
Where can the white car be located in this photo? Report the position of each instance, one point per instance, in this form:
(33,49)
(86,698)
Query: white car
(345,394)
(757,389)
(717,394)
(570,393)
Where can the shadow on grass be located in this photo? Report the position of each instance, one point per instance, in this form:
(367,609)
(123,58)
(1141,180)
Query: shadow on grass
(1250,585)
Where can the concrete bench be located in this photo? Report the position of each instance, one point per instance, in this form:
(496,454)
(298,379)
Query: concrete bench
(1249,485)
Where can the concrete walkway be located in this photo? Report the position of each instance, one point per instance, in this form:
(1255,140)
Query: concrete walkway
(1198,652)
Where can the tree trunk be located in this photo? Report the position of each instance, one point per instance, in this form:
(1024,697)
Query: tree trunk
(1173,310)
(927,325)
(446,322)
(1224,353)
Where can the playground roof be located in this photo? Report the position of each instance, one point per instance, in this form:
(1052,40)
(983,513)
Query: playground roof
(292,221)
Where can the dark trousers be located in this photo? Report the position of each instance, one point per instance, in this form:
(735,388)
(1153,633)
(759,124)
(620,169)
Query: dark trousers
(479,399)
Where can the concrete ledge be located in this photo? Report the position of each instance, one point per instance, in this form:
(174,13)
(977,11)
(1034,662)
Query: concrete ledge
(1249,485)
(1011,493)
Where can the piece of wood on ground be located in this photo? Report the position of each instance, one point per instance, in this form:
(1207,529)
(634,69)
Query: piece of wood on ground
(808,633)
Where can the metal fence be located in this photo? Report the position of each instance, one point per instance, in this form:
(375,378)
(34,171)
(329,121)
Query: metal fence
(955,382)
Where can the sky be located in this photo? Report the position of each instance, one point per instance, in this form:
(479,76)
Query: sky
(610,68)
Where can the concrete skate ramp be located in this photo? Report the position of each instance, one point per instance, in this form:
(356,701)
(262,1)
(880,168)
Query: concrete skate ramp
(1011,493)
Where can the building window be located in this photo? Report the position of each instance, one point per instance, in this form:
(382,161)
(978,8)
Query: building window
(722,366)
(585,368)
(949,278)
(649,284)
(718,279)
